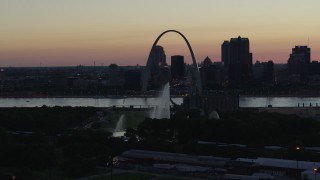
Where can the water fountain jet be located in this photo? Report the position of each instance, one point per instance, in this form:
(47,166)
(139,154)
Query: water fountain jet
(162,104)
(119,129)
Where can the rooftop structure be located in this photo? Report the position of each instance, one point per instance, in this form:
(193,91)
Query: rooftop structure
(175,157)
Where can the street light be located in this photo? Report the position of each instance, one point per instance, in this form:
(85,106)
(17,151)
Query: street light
(315,173)
(297,150)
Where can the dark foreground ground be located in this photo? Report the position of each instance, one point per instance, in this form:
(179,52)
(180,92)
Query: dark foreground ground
(70,143)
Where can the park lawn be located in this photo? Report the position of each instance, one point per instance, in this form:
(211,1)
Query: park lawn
(134,118)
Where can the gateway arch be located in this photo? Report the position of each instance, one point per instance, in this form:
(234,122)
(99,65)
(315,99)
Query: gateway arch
(196,72)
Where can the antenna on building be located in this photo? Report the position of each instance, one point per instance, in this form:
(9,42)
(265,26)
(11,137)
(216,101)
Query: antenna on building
(308,41)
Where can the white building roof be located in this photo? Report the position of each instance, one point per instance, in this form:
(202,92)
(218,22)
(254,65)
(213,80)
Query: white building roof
(283,163)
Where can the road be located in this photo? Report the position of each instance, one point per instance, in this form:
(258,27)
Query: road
(157,176)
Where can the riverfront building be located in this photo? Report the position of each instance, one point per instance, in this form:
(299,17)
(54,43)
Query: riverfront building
(216,102)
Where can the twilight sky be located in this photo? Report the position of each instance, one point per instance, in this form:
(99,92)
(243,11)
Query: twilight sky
(73,32)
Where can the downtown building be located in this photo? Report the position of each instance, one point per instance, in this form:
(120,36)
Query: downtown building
(159,70)
(237,60)
(225,53)
(177,68)
(298,64)
(212,74)
(263,72)
(314,73)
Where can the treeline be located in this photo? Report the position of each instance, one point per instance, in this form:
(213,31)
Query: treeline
(252,129)
(49,120)
(37,140)
(71,154)
(54,145)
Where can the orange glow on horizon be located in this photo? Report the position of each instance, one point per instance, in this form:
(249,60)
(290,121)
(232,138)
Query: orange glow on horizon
(78,32)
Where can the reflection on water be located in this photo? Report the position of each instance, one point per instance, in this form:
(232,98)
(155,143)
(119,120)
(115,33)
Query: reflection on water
(108,102)
(94,102)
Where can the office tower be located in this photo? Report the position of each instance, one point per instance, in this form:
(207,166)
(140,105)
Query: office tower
(164,77)
(269,74)
(263,72)
(211,74)
(298,64)
(158,58)
(177,67)
(304,51)
(239,61)
(206,62)
(314,68)
(225,53)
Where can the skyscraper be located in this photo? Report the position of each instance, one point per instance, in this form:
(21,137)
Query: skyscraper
(158,62)
(225,53)
(263,72)
(304,51)
(158,57)
(238,60)
(269,74)
(177,67)
(211,74)
(299,62)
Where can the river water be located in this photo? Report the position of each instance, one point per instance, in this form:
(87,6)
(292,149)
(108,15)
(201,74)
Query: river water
(279,101)
(94,102)
(108,102)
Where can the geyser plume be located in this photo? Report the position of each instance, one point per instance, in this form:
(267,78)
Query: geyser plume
(162,104)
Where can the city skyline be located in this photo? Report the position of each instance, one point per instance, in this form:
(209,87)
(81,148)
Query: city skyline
(68,33)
